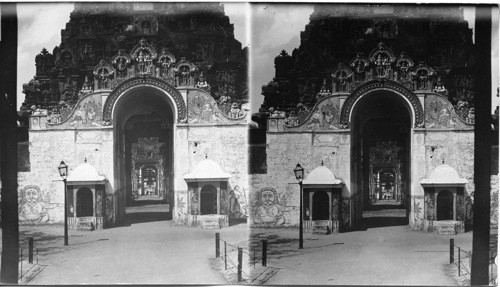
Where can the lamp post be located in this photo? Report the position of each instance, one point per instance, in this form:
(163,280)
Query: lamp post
(63,172)
(299,175)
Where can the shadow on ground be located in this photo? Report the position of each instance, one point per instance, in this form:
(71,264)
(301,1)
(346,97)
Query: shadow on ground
(143,217)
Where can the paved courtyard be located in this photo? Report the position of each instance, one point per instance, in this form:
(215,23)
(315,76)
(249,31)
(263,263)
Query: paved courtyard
(150,250)
(385,253)
(147,250)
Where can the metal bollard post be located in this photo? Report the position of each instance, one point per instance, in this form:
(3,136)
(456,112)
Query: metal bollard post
(30,244)
(459,261)
(452,251)
(37,256)
(217,245)
(254,259)
(264,252)
(240,263)
(225,255)
(21,264)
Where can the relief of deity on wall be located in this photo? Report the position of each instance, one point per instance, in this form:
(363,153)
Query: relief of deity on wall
(439,113)
(88,113)
(325,116)
(342,77)
(144,54)
(269,210)
(382,58)
(359,66)
(103,75)
(121,63)
(34,206)
(165,65)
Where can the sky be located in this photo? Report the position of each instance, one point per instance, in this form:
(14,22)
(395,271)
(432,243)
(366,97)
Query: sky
(274,27)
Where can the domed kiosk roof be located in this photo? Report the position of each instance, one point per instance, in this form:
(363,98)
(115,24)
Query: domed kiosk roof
(85,172)
(208,170)
(321,176)
(444,175)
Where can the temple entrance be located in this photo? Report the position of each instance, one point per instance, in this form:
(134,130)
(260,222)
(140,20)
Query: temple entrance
(143,130)
(381,125)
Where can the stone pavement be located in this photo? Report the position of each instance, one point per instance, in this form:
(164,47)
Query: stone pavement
(383,254)
(145,251)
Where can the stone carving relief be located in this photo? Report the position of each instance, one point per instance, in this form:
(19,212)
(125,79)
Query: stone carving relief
(324,116)
(87,55)
(122,62)
(203,109)
(165,66)
(404,65)
(342,78)
(87,113)
(359,65)
(34,206)
(382,58)
(144,54)
(385,85)
(422,76)
(65,58)
(103,76)
(184,72)
(125,85)
(439,114)
(145,25)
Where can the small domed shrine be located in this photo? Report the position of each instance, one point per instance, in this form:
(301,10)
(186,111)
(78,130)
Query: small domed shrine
(86,198)
(207,195)
(322,201)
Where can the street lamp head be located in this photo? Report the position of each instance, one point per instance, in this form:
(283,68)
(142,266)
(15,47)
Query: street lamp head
(299,172)
(63,170)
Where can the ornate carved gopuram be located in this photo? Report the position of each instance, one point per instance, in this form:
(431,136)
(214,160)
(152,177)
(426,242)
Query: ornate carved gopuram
(381,95)
(345,46)
(145,92)
(104,44)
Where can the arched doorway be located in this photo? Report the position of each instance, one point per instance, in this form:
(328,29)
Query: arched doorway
(381,122)
(143,118)
(321,206)
(208,200)
(84,202)
(149,180)
(444,205)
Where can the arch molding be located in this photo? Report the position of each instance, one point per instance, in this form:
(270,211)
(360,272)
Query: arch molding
(173,95)
(409,96)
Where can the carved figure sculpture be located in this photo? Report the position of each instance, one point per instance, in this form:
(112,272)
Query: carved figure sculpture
(141,63)
(235,111)
(184,75)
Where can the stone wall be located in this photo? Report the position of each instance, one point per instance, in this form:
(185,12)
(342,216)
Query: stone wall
(41,190)
(224,144)
(284,151)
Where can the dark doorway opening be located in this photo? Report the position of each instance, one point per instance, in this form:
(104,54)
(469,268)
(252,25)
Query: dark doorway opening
(445,205)
(208,200)
(321,206)
(84,202)
(381,125)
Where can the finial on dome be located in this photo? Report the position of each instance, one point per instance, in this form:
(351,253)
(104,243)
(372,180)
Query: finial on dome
(322,163)
(206,155)
(85,159)
(442,161)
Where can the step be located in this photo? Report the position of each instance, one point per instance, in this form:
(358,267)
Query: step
(447,230)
